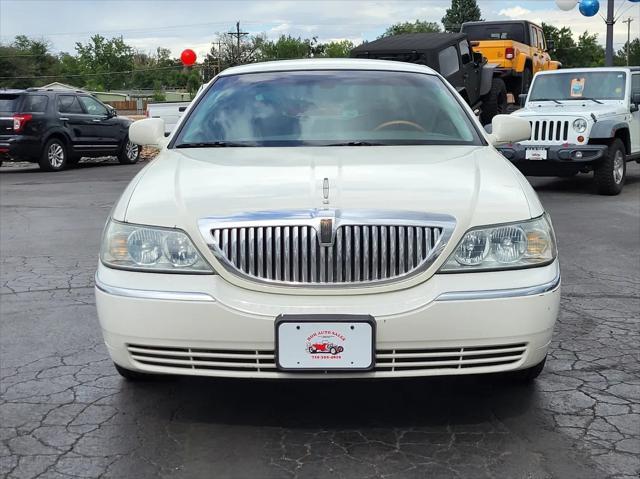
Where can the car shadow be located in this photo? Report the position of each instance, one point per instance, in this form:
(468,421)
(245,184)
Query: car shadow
(335,404)
(83,165)
(582,183)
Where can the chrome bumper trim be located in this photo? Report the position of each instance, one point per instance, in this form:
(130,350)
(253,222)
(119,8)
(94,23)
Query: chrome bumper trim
(502,293)
(148,294)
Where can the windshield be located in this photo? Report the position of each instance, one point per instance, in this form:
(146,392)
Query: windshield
(577,86)
(506,31)
(320,108)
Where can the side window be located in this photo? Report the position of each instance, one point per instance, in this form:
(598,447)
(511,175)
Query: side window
(534,36)
(35,104)
(541,41)
(465,51)
(93,106)
(635,83)
(69,104)
(448,60)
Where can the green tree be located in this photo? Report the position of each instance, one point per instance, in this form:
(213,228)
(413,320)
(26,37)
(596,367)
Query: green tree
(564,46)
(418,26)
(100,59)
(461,11)
(27,62)
(337,49)
(634,54)
(590,52)
(286,47)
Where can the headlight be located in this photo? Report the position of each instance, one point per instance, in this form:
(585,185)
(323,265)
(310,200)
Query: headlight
(513,245)
(147,248)
(580,125)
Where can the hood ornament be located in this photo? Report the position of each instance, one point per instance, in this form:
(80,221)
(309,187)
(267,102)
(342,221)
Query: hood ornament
(325,191)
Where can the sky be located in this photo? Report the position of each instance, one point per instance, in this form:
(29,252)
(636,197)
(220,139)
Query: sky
(180,24)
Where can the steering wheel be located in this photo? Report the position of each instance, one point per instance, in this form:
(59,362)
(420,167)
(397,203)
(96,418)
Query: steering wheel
(398,122)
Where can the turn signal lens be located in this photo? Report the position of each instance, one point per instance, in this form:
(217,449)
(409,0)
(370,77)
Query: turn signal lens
(514,245)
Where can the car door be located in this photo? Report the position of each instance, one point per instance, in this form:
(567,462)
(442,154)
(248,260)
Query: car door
(73,119)
(634,125)
(470,71)
(105,128)
(535,50)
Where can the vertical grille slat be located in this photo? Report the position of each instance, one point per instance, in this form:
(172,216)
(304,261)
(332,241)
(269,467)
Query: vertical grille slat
(360,253)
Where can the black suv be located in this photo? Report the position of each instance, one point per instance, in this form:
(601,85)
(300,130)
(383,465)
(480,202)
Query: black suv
(56,128)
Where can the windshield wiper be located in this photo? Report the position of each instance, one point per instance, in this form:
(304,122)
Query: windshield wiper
(592,99)
(211,144)
(546,99)
(357,143)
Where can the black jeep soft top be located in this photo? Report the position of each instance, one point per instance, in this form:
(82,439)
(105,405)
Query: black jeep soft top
(451,55)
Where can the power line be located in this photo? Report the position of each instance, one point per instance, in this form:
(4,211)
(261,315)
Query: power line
(63,75)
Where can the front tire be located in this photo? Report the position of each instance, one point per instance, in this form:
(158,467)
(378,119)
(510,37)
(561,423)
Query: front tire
(495,102)
(129,153)
(610,174)
(54,155)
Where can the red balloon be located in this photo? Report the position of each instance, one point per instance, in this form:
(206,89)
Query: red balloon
(188,57)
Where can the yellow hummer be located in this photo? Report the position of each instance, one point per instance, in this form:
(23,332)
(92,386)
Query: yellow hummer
(518,48)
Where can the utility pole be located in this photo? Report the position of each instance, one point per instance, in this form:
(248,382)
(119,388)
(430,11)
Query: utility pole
(219,54)
(628,22)
(238,34)
(608,53)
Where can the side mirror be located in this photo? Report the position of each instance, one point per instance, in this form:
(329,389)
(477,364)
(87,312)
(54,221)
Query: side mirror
(149,131)
(477,57)
(509,129)
(635,98)
(111,112)
(522,98)
(551,45)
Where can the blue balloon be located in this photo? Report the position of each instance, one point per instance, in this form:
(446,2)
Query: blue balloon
(634,1)
(589,7)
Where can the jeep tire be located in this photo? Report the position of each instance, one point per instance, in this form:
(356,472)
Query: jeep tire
(525,80)
(610,174)
(495,102)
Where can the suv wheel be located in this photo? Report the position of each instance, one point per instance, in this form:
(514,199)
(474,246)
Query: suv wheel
(129,154)
(612,171)
(495,102)
(54,155)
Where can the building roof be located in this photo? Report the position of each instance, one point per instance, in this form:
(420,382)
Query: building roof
(59,86)
(410,42)
(327,64)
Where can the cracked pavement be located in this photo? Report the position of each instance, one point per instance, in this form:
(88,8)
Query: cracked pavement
(64,411)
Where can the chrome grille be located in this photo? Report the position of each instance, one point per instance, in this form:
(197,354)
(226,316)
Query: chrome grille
(550,130)
(293,254)
(389,362)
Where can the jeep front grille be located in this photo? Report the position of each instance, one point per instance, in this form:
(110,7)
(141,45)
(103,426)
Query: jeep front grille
(291,252)
(550,130)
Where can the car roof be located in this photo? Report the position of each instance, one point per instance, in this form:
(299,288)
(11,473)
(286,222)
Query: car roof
(11,91)
(501,22)
(589,69)
(327,64)
(410,42)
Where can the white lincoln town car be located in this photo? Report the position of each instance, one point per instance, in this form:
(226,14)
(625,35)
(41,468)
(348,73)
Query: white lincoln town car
(328,219)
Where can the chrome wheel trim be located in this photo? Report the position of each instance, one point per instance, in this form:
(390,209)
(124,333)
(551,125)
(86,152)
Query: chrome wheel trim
(131,150)
(55,155)
(618,167)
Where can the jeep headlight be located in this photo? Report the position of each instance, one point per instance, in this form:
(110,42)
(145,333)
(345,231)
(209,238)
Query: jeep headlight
(507,246)
(149,248)
(580,125)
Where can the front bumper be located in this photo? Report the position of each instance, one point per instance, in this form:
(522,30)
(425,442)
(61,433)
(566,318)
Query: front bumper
(202,325)
(560,158)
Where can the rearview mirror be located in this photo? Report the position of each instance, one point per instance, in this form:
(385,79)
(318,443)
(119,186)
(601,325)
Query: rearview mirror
(509,129)
(149,131)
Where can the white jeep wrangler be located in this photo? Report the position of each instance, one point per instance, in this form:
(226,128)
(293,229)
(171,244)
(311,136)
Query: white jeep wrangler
(582,119)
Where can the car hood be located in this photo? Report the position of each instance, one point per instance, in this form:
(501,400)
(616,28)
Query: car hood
(474,184)
(572,109)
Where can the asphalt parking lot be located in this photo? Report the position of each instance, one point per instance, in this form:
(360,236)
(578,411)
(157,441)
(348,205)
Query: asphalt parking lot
(64,411)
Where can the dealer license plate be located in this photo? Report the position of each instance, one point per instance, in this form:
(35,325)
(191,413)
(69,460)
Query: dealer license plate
(536,154)
(325,342)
